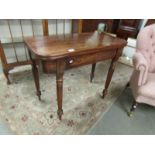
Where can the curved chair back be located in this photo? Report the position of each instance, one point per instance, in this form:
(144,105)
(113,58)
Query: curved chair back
(146,45)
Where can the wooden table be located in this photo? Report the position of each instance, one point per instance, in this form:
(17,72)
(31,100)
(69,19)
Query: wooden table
(61,52)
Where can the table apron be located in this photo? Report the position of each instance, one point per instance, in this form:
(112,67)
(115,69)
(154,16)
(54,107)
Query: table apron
(76,61)
(49,66)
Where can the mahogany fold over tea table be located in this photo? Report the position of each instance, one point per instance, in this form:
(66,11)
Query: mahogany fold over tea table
(61,52)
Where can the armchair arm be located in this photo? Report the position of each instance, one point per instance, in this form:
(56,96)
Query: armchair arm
(141,64)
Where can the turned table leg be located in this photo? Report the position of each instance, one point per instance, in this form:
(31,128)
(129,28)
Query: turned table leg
(59,83)
(92,72)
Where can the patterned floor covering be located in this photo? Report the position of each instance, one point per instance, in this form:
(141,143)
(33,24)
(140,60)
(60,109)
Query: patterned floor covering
(82,104)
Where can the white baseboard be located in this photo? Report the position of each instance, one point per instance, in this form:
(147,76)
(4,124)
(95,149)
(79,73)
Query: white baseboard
(126,61)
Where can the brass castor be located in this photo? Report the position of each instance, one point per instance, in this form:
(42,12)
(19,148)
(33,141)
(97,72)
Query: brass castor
(134,106)
(130,114)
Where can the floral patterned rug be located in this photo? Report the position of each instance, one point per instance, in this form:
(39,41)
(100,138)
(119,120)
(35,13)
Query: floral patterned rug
(82,104)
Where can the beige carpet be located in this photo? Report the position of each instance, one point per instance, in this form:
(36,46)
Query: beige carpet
(82,103)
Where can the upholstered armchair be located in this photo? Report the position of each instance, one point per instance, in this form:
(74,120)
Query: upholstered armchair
(142,81)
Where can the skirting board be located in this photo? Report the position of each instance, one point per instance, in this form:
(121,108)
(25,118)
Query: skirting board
(126,61)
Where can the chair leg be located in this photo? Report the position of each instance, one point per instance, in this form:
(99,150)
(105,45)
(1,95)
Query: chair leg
(6,73)
(134,106)
(128,85)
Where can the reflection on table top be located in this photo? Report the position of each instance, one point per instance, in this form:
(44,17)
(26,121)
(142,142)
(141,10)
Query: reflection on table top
(64,45)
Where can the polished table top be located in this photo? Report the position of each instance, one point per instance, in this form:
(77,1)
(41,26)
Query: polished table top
(75,44)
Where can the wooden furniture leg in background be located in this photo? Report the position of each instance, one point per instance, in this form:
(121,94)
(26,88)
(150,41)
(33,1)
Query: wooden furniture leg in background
(59,82)
(110,73)
(4,64)
(6,73)
(35,76)
(92,72)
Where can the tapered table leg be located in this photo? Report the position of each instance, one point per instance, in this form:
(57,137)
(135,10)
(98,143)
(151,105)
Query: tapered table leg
(36,79)
(59,83)
(92,72)
(35,76)
(110,73)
